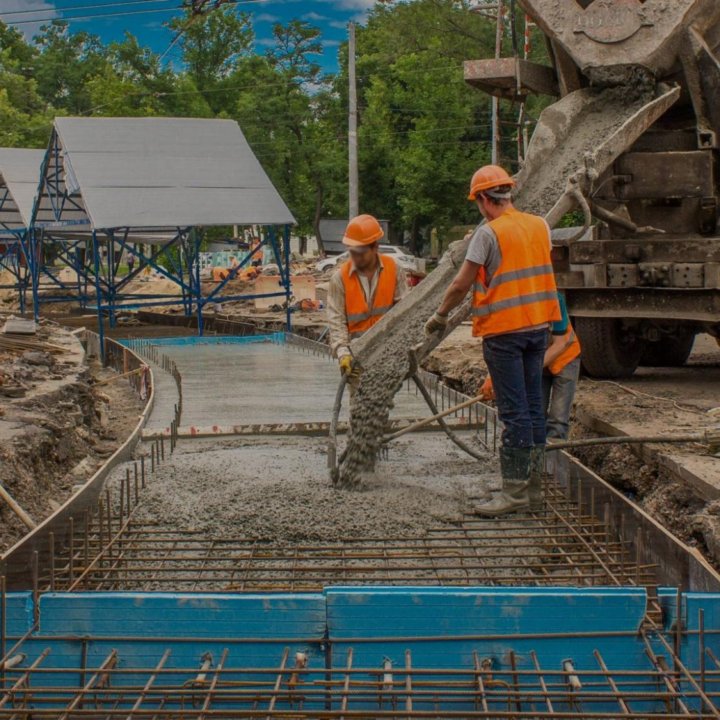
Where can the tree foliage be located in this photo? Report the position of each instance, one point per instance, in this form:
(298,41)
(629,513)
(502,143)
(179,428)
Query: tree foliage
(423,130)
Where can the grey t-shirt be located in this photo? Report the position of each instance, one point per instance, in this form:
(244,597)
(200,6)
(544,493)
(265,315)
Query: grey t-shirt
(484,249)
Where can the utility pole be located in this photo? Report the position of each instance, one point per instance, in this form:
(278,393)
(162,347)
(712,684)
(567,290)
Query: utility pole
(353,181)
(495,152)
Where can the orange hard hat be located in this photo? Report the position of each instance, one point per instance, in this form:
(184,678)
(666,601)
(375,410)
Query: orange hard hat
(487,177)
(362,230)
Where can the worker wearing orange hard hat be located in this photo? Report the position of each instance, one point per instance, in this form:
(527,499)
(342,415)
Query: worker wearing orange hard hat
(362,290)
(514,301)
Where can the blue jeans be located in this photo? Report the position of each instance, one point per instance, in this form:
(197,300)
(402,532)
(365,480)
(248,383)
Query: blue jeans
(515,362)
(559,393)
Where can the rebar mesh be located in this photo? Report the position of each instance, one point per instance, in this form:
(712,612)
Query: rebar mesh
(562,545)
(220,686)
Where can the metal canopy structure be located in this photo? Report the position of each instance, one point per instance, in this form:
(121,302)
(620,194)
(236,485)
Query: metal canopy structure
(149,186)
(19,172)
(162,173)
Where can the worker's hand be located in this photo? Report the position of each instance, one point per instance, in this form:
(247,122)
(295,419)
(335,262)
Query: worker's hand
(487,392)
(349,368)
(436,324)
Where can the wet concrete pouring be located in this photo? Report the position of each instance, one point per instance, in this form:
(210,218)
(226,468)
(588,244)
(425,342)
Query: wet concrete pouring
(259,513)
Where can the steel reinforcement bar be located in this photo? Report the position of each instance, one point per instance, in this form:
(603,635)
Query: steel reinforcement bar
(222,685)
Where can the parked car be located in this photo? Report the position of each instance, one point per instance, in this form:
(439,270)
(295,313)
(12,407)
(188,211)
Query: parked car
(403,259)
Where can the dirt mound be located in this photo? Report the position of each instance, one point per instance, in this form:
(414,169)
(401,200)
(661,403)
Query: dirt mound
(59,430)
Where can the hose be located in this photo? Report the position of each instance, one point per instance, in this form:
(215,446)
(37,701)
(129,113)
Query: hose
(333,463)
(577,193)
(433,408)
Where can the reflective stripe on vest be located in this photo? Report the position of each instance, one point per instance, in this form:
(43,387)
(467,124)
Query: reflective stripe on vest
(361,316)
(517,301)
(522,292)
(570,353)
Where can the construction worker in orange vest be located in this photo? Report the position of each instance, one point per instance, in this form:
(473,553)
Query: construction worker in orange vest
(509,268)
(562,372)
(362,290)
(560,376)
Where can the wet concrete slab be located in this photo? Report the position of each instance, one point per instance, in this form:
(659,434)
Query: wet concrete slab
(259,383)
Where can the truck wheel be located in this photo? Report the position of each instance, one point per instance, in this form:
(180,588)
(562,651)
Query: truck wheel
(608,349)
(671,351)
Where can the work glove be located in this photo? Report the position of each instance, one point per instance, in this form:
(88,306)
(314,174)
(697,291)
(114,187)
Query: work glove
(487,392)
(436,324)
(349,368)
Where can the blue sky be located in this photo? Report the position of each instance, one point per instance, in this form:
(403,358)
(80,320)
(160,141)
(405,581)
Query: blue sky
(145,19)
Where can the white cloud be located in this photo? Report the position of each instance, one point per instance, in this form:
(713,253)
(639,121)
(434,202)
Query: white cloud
(355,4)
(41,11)
(265,42)
(338,24)
(314,17)
(331,43)
(266,18)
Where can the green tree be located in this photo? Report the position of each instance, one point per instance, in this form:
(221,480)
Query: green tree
(65,65)
(423,130)
(24,118)
(289,114)
(213,46)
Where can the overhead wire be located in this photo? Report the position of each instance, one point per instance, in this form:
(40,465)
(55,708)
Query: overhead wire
(125,13)
(72,8)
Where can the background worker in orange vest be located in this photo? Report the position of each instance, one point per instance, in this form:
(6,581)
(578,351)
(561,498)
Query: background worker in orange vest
(562,372)
(362,290)
(508,265)
(560,376)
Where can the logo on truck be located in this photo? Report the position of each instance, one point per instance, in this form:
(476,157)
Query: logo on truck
(611,21)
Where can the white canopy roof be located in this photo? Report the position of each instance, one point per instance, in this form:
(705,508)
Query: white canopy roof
(163,173)
(19,175)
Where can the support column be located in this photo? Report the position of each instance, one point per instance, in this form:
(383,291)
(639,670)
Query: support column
(98,295)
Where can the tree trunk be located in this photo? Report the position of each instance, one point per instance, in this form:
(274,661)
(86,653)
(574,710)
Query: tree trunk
(319,198)
(414,235)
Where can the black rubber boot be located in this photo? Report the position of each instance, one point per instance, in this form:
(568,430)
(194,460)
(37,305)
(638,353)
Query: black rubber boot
(514,496)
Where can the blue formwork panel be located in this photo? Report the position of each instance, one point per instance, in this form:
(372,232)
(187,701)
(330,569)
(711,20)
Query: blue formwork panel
(447,627)
(510,628)
(19,618)
(255,630)
(702,610)
(278,337)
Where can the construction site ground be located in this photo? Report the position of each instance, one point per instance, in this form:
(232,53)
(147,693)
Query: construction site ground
(57,425)
(679,485)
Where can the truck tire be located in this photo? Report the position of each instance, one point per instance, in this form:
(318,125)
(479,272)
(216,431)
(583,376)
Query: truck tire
(671,351)
(608,351)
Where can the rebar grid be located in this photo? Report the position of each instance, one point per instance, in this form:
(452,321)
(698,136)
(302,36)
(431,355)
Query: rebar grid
(222,686)
(562,545)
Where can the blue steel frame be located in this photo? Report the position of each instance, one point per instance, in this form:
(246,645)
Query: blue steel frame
(12,259)
(12,256)
(98,285)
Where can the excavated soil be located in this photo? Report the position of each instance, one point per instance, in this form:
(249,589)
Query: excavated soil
(59,432)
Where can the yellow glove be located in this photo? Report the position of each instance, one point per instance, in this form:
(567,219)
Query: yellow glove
(347,367)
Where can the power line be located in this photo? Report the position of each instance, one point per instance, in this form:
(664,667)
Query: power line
(125,13)
(82,7)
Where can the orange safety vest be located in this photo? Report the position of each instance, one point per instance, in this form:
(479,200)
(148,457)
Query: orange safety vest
(570,353)
(522,292)
(361,316)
